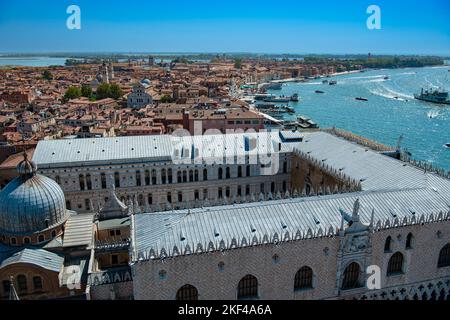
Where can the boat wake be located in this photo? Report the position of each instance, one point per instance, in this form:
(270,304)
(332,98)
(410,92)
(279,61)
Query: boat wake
(433,114)
(397,94)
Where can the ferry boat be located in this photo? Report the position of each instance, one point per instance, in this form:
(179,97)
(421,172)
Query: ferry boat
(294,97)
(433,96)
(332,82)
(281,99)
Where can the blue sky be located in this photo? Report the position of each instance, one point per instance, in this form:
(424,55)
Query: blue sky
(292,26)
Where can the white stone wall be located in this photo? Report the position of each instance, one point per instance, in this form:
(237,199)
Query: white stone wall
(276,280)
(69,180)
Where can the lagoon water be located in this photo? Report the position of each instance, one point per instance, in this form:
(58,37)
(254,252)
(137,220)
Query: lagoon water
(424,126)
(32,61)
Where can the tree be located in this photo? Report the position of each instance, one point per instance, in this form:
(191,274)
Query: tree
(86,91)
(47,75)
(103,91)
(115,91)
(72,93)
(166,99)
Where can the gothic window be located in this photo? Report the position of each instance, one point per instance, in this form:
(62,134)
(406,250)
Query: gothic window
(196,175)
(284,167)
(187,292)
(153,176)
(184,176)
(272,187)
(262,187)
(239,191)
(409,239)
(141,200)
(116,179)
(220,194)
(169,173)
(248,288)
(191,176)
(13,241)
(89,181)
(395,265)
(163,176)
(444,256)
(303,278)
(205,174)
(284,186)
(228,174)
(205,194)
(247,171)
(180,196)
(26,240)
(138,178)
(103,180)
(147,177)
(82,184)
(240,172)
(37,283)
(247,190)
(169,197)
(387,244)
(150,198)
(87,204)
(41,238)
(179,180)
(351,276)
(22,283)
(227,192)
(196,195)
(220,173)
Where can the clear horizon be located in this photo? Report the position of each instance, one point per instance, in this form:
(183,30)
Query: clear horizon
(259,27)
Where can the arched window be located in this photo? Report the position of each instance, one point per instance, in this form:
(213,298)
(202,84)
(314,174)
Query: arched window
(41,238)
(191,176)
(26,240)
(205,174)
(116,179)
(89,181)
(13,241)
(82,184)
(103,180)
(240,172)
(169,174)
(351,276)
(284,167)
(409,239)
(184,176)
(141,200)
(153,176)
(180,196)
(272,187)
(303,278)
(247,171)
(179,180)
(444,256)
(248,288)
(187,292)
(220,173)
(138,178)
(227,173)
(196,175)
(387,244)
(150,198)
(37,283)
(22,283)
(163,176)
(395,265)
(147,177)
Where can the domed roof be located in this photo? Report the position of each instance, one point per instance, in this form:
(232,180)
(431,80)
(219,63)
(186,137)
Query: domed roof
(31,203)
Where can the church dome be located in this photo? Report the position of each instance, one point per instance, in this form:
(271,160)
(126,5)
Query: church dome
(31,203)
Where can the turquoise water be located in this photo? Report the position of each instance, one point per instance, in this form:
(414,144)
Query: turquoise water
(424,126)
(32,61)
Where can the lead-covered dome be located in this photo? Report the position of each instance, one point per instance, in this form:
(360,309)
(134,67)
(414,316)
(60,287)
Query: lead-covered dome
(31,202)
